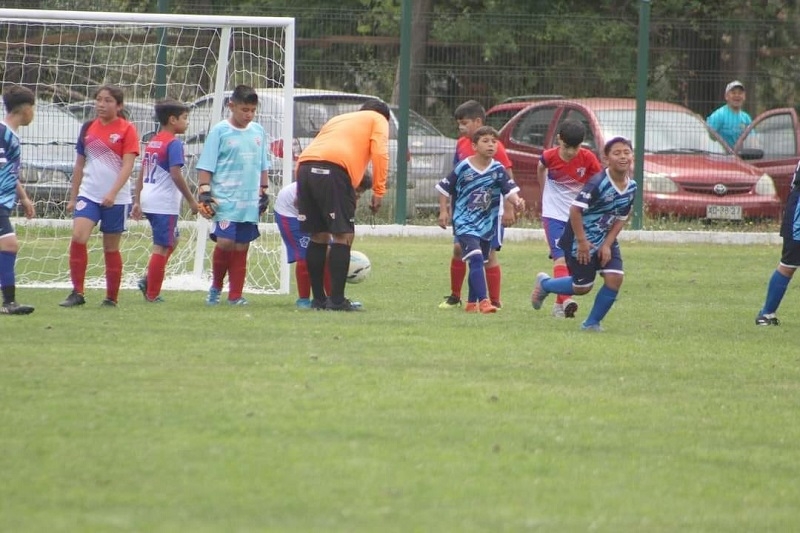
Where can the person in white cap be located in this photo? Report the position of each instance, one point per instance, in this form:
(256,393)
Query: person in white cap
(731,120)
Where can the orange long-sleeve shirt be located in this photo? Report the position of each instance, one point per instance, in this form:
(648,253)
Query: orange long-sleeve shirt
(352,140)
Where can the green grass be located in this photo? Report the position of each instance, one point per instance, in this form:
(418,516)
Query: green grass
(681,416)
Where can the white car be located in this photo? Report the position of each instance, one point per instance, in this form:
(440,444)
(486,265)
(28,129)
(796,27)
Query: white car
(427,162)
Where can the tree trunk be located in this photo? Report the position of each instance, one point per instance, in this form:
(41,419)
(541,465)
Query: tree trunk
(420,32)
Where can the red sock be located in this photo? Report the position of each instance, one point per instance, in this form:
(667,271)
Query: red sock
(458,271)
(493,277)
(155,275)
(220,262)
(302,279)
(560,271)
(113,274)
(237,272)
(78,259)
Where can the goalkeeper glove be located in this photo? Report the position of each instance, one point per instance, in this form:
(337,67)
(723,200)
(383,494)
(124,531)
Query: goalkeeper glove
(205,202)
(263,201)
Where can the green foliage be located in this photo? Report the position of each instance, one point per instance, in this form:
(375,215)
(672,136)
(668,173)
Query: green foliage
(682,416)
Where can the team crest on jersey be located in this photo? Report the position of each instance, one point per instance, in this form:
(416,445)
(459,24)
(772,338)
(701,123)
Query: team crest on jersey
(114,138)
(258,141)
(608,197)
(581,171)
(80,205)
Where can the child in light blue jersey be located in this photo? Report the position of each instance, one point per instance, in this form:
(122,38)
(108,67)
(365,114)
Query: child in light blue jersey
(596,217)
(476,188)
(731,120)
(232,182)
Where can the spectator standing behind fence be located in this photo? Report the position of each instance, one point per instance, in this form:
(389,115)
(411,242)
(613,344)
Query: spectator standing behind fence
(730,120)
(159,190)
(470,116)
(232,181)
(596,217)
(562,172)
(101,191)
(19,103)
(790,256)
(328,172)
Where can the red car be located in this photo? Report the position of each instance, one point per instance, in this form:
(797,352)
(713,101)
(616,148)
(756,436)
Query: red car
(688,170)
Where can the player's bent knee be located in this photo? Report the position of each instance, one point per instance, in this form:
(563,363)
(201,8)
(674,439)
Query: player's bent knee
(583,289)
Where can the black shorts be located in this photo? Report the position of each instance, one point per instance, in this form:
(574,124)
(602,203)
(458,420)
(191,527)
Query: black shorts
(790,254)
(326,199)
(6,227)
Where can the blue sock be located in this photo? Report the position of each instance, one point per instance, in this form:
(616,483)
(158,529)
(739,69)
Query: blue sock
(476,279)
(602,304)
(7,281)
(778,284)
(559,285)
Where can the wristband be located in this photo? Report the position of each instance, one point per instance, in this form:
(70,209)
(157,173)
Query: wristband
(205,187)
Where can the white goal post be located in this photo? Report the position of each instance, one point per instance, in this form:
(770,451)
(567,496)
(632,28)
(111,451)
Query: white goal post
(65,56)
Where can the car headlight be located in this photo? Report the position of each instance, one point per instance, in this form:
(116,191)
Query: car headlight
(765,185)
(659,183)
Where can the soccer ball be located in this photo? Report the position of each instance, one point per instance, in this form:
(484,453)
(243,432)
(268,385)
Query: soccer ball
(360,267)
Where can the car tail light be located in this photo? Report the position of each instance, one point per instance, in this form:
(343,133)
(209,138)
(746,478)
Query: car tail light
(277,148)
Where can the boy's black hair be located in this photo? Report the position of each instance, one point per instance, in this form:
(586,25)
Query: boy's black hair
(169,107)
(244,94)
(483,130)
(373,104)
(16,96)
(572,133)
(471,109)
(366,183)
(615,140)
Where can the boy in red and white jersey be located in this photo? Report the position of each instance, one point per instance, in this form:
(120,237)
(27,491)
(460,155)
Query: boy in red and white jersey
(159,191)
(562,172)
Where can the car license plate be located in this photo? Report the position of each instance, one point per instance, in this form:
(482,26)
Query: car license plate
(724,212)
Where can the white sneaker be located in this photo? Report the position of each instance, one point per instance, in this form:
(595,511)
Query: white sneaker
(558,311)
(570,308)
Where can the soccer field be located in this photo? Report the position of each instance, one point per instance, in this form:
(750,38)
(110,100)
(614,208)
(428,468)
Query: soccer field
(681,416)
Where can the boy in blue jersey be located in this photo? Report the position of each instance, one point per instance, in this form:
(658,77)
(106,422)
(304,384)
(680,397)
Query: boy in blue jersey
(476,188)
(731,120)
(596,217)
(159,191)
(19,103)
(232,181)
(790,256)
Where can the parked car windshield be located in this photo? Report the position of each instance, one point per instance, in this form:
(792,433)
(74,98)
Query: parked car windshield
(665,131)
(52,127)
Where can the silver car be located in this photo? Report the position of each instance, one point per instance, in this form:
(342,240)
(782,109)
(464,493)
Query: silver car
(430,154)
(48,156)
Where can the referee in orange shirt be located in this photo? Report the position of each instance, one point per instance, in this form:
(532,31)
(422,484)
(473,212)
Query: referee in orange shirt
(328,172)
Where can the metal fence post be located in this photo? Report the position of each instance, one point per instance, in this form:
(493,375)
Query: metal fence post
(641,108)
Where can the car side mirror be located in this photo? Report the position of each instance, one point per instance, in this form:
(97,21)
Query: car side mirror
(147,137)
(749,154)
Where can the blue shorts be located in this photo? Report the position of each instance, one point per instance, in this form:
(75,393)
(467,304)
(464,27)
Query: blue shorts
(295,240)
(239,232)
(583,275)
(553,230)
(165,229)
(6,227)
(497,238)
(112,219)
(471,245)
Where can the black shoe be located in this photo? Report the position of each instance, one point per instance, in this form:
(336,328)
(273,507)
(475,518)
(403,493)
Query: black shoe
(108,302)
(13,308)
(73,300)
(767,320)
(142,285)
(450,302)
(318,305)
(346,305)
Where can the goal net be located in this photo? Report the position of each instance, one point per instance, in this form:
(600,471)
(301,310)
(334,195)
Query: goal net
(65,56)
